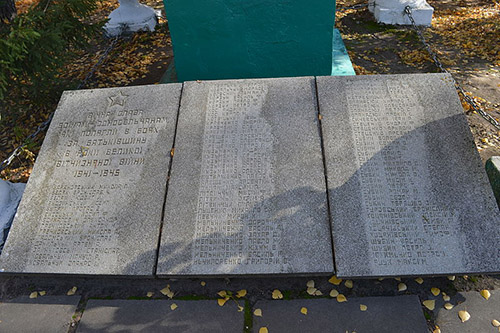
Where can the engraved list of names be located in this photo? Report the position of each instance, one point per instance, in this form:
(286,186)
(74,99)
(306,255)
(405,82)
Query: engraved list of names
(84,205)
(233,228)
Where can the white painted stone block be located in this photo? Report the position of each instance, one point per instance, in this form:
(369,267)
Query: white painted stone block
(132,14)
(392,11)
(10,195)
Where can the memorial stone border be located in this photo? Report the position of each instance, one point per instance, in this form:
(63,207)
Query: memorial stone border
(264,175)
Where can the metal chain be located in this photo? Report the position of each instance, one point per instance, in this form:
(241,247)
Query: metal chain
(438,63)
(43,126)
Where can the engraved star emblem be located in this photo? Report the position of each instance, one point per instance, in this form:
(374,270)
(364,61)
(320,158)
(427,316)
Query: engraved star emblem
(119,99)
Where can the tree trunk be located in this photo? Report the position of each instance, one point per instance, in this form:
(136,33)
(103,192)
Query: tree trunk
(7,10)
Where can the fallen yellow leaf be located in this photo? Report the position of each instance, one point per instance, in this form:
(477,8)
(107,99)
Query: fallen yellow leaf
(311,290)
(429,304)
(318,293)
(167,292)
(348,284)
(495,323)
(34,294)
(203,283)
(363,307)
(277,294)
(435,291)
(334,293)
(258,312)
(303,311)
(397,279)
(463,315)
(222,301)
(446,298)
(341,298)
(72,291)
(173,306)
(451,277)
(149,294)
(222,293)
(486,294)
(240,308)
(241,293)
(437,330)
(334,280)
(310,284)
(402,287)
(42,293)
(263,330)
(448,306)
(419,280)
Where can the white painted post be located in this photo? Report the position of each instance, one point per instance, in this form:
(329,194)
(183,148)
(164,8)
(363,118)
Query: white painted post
(10,196)
(392,11)
(133,15)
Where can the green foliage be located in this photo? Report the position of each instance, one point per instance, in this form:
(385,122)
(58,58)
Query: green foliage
(36,44)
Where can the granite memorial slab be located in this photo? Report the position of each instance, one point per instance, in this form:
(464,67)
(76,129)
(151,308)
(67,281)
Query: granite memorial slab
(247,190)
(94,201)
(43,314)
(382,314)
(408,192)
(160,316)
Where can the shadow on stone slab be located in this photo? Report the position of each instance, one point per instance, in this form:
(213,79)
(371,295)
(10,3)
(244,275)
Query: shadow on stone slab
(159,316)
(383,314)
(42,314)
(481,311)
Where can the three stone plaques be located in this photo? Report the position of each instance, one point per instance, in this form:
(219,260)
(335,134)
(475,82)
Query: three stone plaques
(403,193)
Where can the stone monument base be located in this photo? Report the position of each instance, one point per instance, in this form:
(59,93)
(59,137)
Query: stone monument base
(392,11)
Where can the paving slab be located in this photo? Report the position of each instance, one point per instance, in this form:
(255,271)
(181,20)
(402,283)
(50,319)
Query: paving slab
(43,314)
(408,192)
(482,312)
(94,201)
(247,192)
(383,314)
(158,316)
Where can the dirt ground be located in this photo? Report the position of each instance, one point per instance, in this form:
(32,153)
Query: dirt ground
(374,48)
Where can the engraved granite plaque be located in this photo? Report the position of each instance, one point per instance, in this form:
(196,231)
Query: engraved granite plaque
(247,191)
(408,192)
(94,201)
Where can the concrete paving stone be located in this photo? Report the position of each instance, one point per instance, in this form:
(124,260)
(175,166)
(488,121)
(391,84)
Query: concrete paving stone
(38,315)
(383,314)
(482,313)
(157,316)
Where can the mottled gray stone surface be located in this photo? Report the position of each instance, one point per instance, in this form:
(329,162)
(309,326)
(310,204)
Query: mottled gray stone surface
(247,190)
(481,311)
(158,316)
(383,314)
(94,201)
(43,314)
(408,192)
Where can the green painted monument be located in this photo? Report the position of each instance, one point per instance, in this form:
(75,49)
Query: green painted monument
(233,39)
